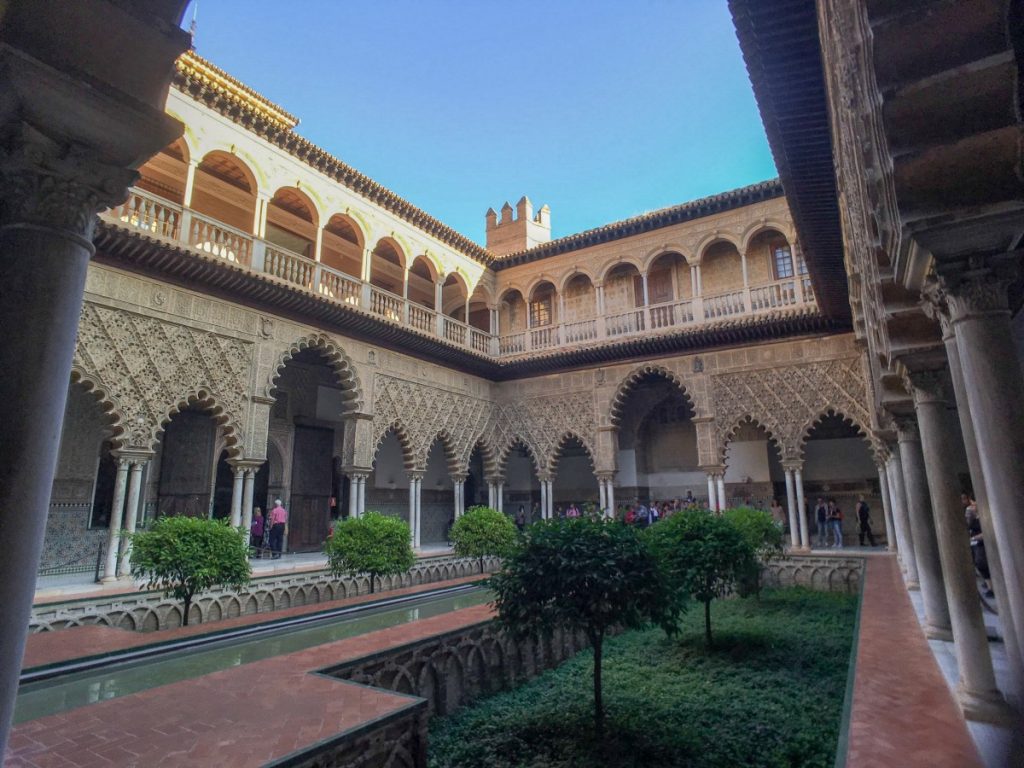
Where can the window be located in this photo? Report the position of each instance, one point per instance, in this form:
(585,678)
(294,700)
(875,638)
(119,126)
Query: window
(801,265)
(659,286)
(783,262)
(540,310)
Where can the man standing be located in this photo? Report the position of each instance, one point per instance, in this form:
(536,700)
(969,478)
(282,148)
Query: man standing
(821,516)
(864,522)
(278,525)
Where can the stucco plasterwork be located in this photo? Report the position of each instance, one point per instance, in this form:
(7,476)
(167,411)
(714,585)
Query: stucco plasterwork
(150,368)
(788,400)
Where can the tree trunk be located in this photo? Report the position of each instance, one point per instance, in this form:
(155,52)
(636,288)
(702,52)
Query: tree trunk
(371,583)
(184,616)
(481,566)
(707,623)
(597,640)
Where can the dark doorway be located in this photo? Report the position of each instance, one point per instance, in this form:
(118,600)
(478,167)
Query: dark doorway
(186,465)
(222,488)
(312,476)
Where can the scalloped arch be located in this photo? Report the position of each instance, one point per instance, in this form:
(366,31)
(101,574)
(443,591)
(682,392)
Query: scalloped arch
(874,445)
(730,433)
(507,449)
(207,402)
(451,456)
(108,405)
(402,435)
(487,453)
(556,454)
(637,375)
(335,357)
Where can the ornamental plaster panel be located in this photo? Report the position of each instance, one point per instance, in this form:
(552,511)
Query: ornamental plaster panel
(788,400)
(151,368)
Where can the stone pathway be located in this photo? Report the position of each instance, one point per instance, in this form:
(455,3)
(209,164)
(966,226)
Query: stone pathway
(903,713)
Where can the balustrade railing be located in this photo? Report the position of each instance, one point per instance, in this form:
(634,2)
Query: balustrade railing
(386,304)
(479,341)
(150,214)
(512,343)
(340,286)
(671,314)
(422,319)
(625,322)
(724,305)
(543,338)
(290,267)
(454,331)
(771,296)
(220,240)
(579,331)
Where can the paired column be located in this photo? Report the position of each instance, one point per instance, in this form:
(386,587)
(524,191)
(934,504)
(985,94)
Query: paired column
(883,489)
(248,488)
(459,484)
(712,490)
(720,480)
(415,481)
(132,513)
(501,496)
(237,489)
(116,514)
(606,489)
(801,507)
(922,531)
(994,390)
(794,526)
(976,690)
(492,494)
(901,515)
(357,493)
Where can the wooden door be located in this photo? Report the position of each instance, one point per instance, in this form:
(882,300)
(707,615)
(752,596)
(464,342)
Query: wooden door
(309,516)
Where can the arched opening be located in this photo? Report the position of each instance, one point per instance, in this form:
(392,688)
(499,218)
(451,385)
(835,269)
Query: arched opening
(512,322)
(422,283)
(342,246)
(223,486)
(522,486)
(573,481)
(165,174)
(387,267)
(479,310)
(838,464)
(668,279)
(542,305)
(437,497)
(753,468)
(387,488)
(225,190)
(306,420)
(771,259)
(291,222)
(721,268)
(185,464)
(454,295)
(657,451)
(82,494)
(579,302)
(475,488)
(623,294)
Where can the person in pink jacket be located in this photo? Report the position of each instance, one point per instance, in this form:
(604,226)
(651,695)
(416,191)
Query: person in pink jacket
(278,525)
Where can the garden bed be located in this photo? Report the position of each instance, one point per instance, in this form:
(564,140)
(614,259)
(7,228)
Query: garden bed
(768,693)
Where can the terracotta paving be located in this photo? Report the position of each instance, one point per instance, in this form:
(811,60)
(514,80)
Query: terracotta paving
(240,717)
(903,712)
(78,642)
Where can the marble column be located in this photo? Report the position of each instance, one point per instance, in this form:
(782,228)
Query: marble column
(353,494)
(890,527)
(979,311)
(801,508)
(492,495)
(501,497)
(457,487)
(361,497)
(543,500)
(610,496)
(602,489)
(976,689)
(898,497)
(922,531)
(248,490)
(720,496)
(794,526)
(116,514)
(712,502)
(414,508)
(131,514)
(237,488)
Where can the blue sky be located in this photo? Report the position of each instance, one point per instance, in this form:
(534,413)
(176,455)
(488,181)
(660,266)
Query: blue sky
(603,110)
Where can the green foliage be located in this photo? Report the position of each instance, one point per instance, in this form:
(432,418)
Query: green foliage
(184,556)
(763,534)
(768,695)
(481,532)
(702,555)
(372,544)
(581,574)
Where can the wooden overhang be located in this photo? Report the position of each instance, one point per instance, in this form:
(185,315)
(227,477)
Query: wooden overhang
(137,252)
(779,41)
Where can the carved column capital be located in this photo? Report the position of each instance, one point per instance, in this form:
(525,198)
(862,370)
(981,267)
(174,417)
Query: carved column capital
(927,386)
(935,305)
(906,429)
(55,187)
(982,288)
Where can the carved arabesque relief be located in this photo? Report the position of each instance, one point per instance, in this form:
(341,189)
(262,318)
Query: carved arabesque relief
(150,369)
(788,401)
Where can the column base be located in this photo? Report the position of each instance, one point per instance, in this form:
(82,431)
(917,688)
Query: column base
(938,633)
(914,586)
(985,707)
(109,579)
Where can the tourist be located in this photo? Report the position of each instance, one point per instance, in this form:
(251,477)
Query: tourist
(278,528)
(821,517)
(977,542)
(835,521)
(572,511)
(521,518)
(630,515)
(256,532)
(535,512)
(779,514)
(864,522)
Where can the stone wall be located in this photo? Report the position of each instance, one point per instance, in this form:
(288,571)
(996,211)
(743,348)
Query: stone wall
(823,573)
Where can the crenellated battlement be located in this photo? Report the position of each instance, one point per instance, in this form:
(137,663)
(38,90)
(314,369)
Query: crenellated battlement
(512,234)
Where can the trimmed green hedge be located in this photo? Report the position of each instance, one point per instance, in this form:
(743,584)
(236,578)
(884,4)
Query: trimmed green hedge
(769,693)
